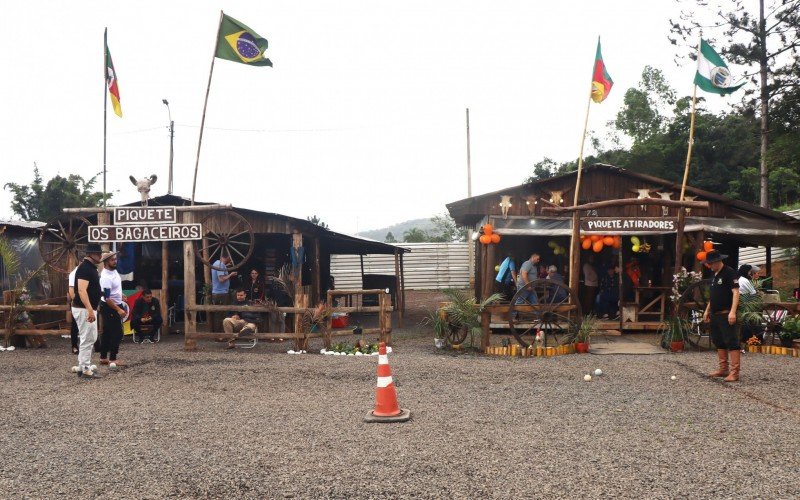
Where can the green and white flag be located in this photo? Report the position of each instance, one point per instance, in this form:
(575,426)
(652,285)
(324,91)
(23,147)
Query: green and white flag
(712,72)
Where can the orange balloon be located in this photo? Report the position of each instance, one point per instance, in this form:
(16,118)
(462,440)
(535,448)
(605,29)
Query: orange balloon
(586,244)
(487,229)
(583,237)
(495,238)
(701,256)
(708,246)
(617,242)
(596,237)
(485,239)
(608,241)
(597,246)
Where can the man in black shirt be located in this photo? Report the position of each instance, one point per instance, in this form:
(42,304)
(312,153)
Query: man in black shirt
(721,310)
(146,316)
(84,308)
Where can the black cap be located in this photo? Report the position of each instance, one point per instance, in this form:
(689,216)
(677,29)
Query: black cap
(93,248)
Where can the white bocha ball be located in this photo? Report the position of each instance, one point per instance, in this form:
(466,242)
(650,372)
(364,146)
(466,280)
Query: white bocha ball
(673,377)
(94,368)
(10,348)
(75,369)
(290,351)
(112,365)
(587,377)
(598,372)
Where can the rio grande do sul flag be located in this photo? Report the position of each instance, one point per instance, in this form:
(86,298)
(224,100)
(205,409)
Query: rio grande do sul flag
(111,79)
(712,72)
(238,43)
(601,80)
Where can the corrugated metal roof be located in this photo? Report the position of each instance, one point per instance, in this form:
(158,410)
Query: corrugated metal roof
(758,255)
(25,224)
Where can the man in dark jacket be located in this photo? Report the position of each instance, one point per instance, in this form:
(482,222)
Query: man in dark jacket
(721,312)
(240,323)
(146,316)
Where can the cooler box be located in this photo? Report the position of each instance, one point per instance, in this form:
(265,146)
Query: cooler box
(340,320)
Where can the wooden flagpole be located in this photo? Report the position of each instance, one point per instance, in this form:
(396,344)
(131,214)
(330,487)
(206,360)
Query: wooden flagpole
(574,249)
(105,108)
(205,105)
(682,211)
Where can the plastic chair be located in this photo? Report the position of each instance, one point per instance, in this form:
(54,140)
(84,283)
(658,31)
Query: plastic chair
(139,339)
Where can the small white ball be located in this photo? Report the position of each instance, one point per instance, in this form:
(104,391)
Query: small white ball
(323,351)
(359,353)
(673,377)
(94,368)
(10,348)
(290,351)
(587,377)
(112,365)
(598,372)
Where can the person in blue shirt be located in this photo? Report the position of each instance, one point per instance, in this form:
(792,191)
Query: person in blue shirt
(220,288)
(507,277)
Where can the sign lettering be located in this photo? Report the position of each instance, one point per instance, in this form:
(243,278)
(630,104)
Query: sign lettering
(142,232)
(144,215)
(624,224)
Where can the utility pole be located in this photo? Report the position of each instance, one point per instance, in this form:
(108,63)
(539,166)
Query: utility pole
(171,138)
(470,243)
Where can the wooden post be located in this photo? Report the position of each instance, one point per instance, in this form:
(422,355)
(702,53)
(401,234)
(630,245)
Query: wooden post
(768,266)
(486,338)
(679,241)
(575,254)
(402,288)
(164,282)
(316,294)
(189,290)
(397,288)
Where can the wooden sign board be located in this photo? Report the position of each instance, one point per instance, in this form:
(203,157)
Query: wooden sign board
(145,232)
(144,215)
(629,224)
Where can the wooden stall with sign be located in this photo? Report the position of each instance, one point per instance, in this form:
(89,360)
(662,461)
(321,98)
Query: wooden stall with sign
(626,219)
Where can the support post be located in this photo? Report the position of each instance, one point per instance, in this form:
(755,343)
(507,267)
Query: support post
(164,281)
(189,290)
(316,294)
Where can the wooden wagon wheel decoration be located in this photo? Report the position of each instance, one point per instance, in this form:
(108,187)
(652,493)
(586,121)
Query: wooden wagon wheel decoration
(691,306)
(225,232)
(61,238)
(555,313)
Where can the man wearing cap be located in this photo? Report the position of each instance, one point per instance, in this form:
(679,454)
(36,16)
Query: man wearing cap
(84,307)
(721,311)
(111,309)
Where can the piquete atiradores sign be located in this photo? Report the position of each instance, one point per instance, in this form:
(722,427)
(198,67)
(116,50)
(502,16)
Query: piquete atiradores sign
(629,224)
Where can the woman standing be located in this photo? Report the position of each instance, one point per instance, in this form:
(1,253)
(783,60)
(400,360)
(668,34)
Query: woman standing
(255,287)
(747,289)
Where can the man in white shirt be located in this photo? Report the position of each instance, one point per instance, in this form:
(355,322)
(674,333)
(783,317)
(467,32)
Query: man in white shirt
(110,309)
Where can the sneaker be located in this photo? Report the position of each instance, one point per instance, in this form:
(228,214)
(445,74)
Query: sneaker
(88,374)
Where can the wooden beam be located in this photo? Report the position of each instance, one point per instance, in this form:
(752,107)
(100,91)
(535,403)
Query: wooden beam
(189,289)
(628,201)
(108,210)
(164,280)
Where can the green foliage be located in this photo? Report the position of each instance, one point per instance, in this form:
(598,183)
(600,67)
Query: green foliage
(415,235)
(461,311)
(42,202)
(390,238)
(588,325)
(316,220)
(445,230)
(548,168)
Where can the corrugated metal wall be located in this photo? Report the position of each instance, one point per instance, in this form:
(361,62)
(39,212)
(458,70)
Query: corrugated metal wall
(758,255)
(428,266)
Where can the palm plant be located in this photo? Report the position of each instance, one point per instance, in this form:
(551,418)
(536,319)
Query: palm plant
(19,279)
(461,313)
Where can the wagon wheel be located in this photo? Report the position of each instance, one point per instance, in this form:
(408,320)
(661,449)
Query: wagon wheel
(691,307)
(61,238)
(225,232)
(556,313)
(456,334)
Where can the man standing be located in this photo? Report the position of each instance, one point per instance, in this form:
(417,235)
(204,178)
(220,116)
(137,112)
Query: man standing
(111,309)
(721,310)
(590,285)
(240,323)
(73,333)
(527,273)
(84,307)
(220,288)
(146,316)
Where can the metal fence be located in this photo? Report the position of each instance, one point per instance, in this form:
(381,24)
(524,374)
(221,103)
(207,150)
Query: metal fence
(428,266)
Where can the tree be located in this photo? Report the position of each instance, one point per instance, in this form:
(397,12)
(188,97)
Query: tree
(415,235)
(43,202)
(390,238)
(445,230)
(316,220)
(644,112)
(766,42)
(547,168)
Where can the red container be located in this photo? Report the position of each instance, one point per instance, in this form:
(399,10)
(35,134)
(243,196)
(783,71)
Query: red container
(340,321)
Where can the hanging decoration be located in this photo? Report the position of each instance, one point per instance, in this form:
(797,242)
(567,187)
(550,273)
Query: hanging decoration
(505,204)
(489,236)
(708,245)
(596,242)
(557,249)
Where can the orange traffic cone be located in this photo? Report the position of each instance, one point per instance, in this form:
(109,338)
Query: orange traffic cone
(386,407)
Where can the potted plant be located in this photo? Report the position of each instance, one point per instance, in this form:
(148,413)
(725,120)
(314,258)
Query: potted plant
(790,334)
(673,334)
(440,326)
(582,337)
(459,317)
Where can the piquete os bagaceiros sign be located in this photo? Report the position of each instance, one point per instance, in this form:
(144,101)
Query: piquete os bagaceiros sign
(145,224)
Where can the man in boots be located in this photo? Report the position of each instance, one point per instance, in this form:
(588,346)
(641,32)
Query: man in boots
(721,311)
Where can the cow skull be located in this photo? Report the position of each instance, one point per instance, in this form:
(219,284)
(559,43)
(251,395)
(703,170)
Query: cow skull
(505,204)
(143,186)
(556,197)
(665,196)
(531,202)
(689,198)
(643,194)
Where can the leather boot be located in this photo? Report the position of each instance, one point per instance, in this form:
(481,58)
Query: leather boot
(736,361)
(722,354)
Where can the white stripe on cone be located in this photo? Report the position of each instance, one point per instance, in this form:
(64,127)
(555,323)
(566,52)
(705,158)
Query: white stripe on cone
(383,359)
(384,381)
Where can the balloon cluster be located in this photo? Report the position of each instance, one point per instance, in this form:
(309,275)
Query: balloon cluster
(488,236)
(707,247)
(596,242)
(637,246)
(557,249)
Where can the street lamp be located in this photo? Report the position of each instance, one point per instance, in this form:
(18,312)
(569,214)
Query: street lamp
(171,137)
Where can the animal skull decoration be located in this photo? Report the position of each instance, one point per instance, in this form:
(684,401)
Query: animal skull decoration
(665,196)
(689,198)
(143,186)
(531,202)
(556,197)
(505,204)
(643,194)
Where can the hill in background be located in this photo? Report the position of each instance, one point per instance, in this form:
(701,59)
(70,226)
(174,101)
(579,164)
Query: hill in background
(397,229)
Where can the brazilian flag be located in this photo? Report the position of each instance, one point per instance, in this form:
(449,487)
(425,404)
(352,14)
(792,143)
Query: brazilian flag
(237,42)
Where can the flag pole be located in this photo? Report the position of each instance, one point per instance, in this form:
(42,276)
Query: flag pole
(574,253)
(205,105)
(681,210)
(105,108)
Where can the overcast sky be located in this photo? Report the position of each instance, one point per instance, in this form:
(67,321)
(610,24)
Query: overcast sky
(361,119)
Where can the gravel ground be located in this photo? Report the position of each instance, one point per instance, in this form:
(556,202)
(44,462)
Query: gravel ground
(264,424)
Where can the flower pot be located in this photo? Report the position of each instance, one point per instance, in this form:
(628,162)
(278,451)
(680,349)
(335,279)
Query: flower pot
(676,346)
(439,343)
(582,347)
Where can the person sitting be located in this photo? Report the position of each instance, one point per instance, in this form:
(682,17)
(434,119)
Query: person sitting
(558,294)
(146,316)
(608,297)
(240,323)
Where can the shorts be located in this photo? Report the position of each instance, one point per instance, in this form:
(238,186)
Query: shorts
(723,334)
